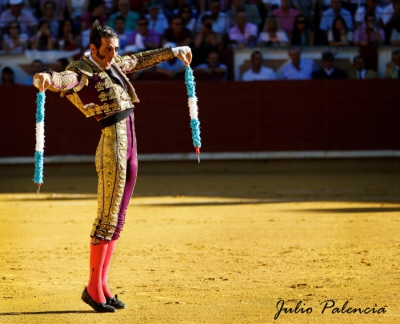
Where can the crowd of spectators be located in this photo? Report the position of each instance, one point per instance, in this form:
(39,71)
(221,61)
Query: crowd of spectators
(213,28)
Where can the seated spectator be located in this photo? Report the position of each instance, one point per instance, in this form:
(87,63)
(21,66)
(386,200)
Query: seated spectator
(186,15)
(391,13)
(272,34)
(272,4)
(286,16)
(302,35)
(27,21)
(328,71)
(169,8)
(43,40)
(360,72)
(60,65)
(56,11)
(250,10)
(395,35)
(339,34)
(370,6)
(329,15)
(76,9)
(212,68)
(49,14)
(143,35)
(258,72)
(157,20)
(297,68)
(68,39)
(219,19)
(306,8)
(171,67)
(13,41)
(369,33)
(7,76)
(243,33)
(37,66)
(123,34)
(96,10)
(205,41)
(176,34)
(393,67)
(131,17)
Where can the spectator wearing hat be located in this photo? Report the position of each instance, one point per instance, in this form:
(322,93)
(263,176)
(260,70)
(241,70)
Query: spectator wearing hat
(27,21)
(328,71)
(360,72)
(157,20)
(258,72)
(131,17)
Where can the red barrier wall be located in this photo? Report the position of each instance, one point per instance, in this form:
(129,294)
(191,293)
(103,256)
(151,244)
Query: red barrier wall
(234,116)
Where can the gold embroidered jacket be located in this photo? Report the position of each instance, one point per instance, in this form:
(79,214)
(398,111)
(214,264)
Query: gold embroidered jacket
(93,92)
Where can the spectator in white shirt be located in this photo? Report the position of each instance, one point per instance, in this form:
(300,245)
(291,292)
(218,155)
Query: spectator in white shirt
(25,18)
(371,6)
(298,68)
(157,20)
(329,15)
(258,72)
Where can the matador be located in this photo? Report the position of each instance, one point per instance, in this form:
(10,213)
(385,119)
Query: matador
(97,85)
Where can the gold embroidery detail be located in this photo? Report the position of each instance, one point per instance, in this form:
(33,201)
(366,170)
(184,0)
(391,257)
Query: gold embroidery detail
(102,75)
(103,96)
(112,94)
(108,83)
(111,170)
(99,86)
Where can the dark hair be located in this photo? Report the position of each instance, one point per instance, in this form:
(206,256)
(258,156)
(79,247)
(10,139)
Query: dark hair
(358,57)
(61,28)
(98,32)
(204,18)
(335,33)
(370,14)
(14,22)
(50,2)
(175,17)
(64,62)
(120,18)
(94,4)
(296,34)
(254,53)
(8,70)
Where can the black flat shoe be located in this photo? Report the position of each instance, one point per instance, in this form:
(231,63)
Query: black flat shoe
(114,302)
(98,307)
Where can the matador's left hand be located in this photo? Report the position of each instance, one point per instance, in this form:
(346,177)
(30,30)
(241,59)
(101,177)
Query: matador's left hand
(184,53)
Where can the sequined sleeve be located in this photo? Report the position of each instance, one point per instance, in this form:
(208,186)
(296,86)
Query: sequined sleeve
(63,81)
(143,60)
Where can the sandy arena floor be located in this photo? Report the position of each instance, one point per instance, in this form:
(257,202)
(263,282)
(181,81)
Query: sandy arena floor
(208,247)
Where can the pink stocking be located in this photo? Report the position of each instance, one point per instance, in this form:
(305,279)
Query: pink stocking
(97,255)
(106,265)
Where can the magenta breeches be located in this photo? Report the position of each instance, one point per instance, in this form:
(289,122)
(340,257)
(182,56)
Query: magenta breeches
(131,173)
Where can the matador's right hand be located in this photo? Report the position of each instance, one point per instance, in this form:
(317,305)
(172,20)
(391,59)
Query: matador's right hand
(41,81)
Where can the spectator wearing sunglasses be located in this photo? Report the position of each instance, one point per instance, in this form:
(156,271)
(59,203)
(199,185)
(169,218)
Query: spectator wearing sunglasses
(144,36)
(302,35)
(13,41)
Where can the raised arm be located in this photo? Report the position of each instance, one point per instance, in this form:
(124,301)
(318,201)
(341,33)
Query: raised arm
(147,59)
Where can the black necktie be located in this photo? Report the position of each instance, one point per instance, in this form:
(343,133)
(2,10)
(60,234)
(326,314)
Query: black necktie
(115,78)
